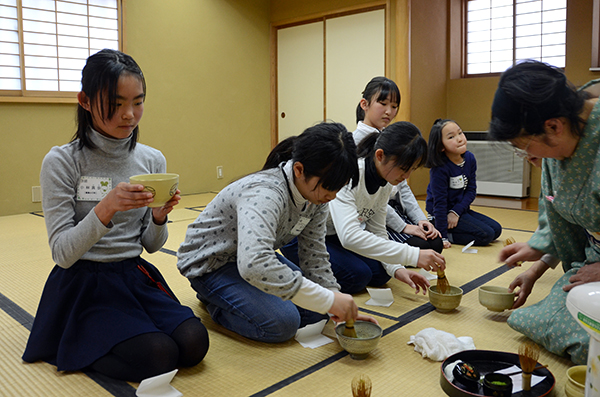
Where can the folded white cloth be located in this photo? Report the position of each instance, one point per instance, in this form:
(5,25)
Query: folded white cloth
(438,345)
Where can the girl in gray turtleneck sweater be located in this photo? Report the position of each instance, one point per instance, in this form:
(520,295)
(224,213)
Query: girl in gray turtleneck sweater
(103,306)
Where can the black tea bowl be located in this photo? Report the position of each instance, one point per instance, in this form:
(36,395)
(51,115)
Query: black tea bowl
(497,385)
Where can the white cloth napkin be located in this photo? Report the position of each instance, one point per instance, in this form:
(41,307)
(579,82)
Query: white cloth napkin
(438,345)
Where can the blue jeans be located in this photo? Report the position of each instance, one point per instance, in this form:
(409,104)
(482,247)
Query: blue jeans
(244,309)
(474,226)
(353,272)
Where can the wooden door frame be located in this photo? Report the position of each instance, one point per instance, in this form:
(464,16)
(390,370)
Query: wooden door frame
(275,26)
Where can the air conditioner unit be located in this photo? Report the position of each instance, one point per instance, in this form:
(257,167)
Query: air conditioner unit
(500,172)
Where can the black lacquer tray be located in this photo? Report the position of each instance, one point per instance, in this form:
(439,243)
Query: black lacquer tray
(487,361)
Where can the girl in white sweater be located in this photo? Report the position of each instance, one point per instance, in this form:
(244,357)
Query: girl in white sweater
(361,253)
(406,222)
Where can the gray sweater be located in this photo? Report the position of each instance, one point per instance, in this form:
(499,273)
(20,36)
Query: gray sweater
(74,230)
(247,222)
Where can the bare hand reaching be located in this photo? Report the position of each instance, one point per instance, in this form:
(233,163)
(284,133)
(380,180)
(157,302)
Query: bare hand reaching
(415,280)
(518,252)
(431,260)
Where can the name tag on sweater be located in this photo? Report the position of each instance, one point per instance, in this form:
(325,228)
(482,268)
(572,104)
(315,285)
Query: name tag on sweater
(457,182)
(93,188)
(300,225)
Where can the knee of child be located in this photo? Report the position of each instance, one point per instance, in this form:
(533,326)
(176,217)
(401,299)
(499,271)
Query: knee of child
(282,330)
(192,338)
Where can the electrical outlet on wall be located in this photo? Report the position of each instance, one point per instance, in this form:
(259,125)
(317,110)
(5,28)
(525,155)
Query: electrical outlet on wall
(36,194)
(219,172)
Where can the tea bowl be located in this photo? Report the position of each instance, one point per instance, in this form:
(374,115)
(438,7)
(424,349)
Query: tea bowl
(496,299)
(445,302)
(162,186)
(368,335)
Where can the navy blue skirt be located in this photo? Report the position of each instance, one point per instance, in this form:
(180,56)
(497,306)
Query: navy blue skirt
(89,308)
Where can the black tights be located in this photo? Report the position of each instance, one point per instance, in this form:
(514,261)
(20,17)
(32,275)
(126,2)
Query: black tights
(155,353)
(436,244)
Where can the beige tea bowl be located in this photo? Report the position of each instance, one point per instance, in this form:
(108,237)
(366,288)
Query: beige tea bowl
(162,186)
(445,302)
(496,299)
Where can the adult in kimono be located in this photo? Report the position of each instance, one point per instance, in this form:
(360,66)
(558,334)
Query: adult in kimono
(542,115)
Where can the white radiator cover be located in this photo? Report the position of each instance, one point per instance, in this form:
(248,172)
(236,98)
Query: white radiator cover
(500,172)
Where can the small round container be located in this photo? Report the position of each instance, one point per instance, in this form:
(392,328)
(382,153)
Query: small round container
(445,302)
(575,386)
(467,375)
(496,299)
(497,385)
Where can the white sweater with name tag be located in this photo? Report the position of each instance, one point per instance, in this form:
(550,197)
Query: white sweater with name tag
(358,218)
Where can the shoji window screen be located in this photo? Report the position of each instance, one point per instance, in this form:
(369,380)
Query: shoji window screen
(44,43)
(500,33)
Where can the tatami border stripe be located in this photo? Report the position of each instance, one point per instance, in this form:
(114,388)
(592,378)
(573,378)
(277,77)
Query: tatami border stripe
(124,389)
(288,381)
(116,387)
(16,312)
(168,251)
(403,320)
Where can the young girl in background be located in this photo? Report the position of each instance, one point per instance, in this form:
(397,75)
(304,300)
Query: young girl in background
(406,222)
(452,188)
(229,253)
(101,308)
(361,253)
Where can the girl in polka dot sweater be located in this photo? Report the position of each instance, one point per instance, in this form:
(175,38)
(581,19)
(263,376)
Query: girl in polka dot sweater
(229,253)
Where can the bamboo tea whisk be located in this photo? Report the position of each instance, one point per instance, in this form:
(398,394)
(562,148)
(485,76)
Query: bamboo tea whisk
(349,330)
(361,386)
(443,285)
(529,352)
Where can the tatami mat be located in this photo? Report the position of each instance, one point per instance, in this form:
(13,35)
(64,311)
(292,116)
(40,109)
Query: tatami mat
(236,366)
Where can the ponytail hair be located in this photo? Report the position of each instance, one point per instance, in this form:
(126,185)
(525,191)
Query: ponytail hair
(280,153)
(326,150)
(360,113)
(401,142)
(435,152)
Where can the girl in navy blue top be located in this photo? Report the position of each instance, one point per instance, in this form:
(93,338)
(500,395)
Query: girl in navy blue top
(452,188)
